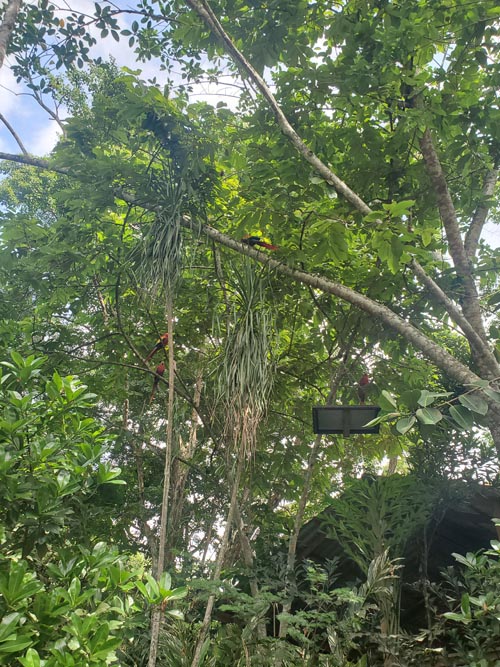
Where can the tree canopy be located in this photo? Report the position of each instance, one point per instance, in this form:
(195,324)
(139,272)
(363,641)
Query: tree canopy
(327,223)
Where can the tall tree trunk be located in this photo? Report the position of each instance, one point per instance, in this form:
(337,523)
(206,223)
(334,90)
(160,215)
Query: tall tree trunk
(248,559)
(220,558)
(180,471)
(156,614)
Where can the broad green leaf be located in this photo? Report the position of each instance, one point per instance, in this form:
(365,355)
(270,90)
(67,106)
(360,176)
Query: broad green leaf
(397,209)
(429,415)
(428,397)
(404,424)
(462,416)
(387,401)
(474,403)
(178,593)
(465,604)
(492,393)
(410,398)
(32,659)
(165,581)
(452,616)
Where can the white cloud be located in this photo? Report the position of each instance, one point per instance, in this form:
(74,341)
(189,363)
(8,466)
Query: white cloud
(491,234)
(44,139)
(9,91)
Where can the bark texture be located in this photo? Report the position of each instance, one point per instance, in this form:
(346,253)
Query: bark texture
(7,26)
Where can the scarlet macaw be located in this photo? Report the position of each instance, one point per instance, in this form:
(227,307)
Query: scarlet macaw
(162,343)
(363,383)
(160,370)
(257,240)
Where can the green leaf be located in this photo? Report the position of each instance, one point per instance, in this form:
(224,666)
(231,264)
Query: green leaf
(17,359)
(397,209)
(410,398)
(178,593)
(387,401)
(452,616)
(492,393)
(165,581)
(465,604)
(474,403)
(462,416)
(32,659)
(429,415)
(384,417)
(404,424)
(428,397)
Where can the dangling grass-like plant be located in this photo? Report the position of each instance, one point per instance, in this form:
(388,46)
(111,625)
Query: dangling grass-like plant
(161,251)
(247,371)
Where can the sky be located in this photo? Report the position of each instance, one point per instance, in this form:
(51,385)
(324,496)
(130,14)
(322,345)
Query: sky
(39,132)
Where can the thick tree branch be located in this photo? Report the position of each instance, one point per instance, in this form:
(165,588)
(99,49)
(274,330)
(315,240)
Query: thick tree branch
(470,300)
(14,134)
(474,232)
(209,18)
(434,352)
(7,26)
(455,314)
(30,161)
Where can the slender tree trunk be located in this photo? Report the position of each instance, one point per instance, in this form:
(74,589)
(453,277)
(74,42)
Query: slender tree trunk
(299,517)
(145,529)
(7,26)
(220,559)
(156,614)
(180,471)
(292,545)
(248,559)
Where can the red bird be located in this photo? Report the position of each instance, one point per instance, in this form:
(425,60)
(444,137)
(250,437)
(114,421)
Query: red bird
(256,240)
(363,383)
(161,344)
(160,370)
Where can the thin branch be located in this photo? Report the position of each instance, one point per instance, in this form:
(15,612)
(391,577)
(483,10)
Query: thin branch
(102,303)
(14,134)
(53,114)
(207,15)
(7,26)
(476,227)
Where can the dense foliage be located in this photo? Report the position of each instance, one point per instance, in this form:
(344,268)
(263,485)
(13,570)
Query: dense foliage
(364,144)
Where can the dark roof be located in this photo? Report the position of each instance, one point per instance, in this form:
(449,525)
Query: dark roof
(460,527)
